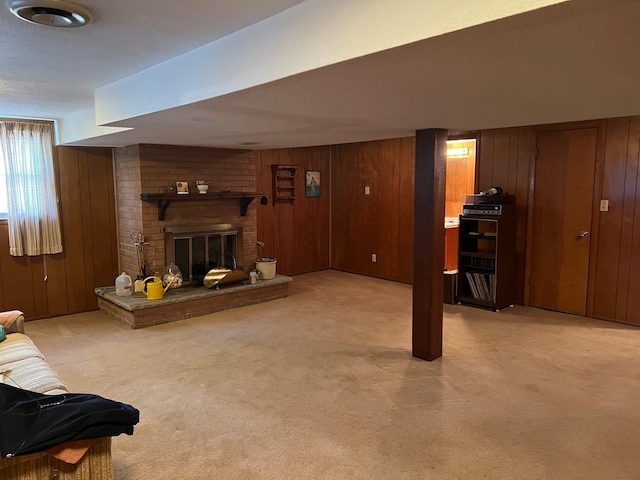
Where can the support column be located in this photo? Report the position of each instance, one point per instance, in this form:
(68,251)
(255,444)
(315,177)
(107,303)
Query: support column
(428,243)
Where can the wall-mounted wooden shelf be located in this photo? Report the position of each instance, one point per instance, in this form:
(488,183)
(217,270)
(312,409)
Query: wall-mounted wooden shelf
(163,200)
(284,183)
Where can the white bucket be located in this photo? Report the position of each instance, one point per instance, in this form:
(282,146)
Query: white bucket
(267,267)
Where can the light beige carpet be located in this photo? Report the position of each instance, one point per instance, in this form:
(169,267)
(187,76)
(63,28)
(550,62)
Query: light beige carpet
(321,385)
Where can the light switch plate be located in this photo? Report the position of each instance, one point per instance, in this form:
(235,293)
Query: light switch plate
(604,205)
(374,258)
(367,190)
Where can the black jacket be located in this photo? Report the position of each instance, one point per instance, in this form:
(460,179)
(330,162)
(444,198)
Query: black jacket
(32,422)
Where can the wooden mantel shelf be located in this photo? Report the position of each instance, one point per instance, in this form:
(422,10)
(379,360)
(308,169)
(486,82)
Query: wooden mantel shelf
(165,199)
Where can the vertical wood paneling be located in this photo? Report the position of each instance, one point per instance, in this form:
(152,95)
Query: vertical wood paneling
(67,289)
(384,211)
(17,278)
(633,294)
(311,213)
(504,160)
(501,159)
(514,137)
(381,222)
(526,145)
(87,216)
(628,213)
(322,240)
(505,157)
(74,228)
(405,191)
(57,290)
(609,240)
(297,233)
(39,286)
(484,161)
(345,213)
(394,231)
(368,206)
(601,125)
(101,223)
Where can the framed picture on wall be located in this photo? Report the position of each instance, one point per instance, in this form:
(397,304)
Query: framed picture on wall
(312,183)
(182,187)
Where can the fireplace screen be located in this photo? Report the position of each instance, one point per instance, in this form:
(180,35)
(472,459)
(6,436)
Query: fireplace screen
(196,253)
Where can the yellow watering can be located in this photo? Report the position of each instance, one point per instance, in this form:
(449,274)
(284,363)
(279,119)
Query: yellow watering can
(153,289)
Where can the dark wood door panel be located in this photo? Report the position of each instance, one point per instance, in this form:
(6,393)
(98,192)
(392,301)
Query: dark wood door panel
(562,209)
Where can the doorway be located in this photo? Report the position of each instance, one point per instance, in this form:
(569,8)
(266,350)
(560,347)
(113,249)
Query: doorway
(460,182)
(562,216)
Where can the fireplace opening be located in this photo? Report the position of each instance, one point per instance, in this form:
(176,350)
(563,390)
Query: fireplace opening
(196,249)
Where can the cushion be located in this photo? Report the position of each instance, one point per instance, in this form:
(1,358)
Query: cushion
(8,318)
(17,347)
(22,365)
(33,374)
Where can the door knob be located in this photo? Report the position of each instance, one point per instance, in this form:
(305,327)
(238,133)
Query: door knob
(584,233)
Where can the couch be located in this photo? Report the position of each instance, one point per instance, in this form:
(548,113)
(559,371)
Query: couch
(23,365)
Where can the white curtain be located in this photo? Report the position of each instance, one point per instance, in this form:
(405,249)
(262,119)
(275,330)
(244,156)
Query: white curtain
(34,226)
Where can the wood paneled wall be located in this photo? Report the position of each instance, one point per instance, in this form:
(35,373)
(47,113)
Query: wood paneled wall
(89,259)
(354,224)
(297,233)
(504,160)
(616,294)
(381,222)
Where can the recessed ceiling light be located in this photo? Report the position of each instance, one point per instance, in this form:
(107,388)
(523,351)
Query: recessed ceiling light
(246,144)
(52,13)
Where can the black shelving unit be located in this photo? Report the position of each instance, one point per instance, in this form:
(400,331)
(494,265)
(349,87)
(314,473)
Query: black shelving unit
(486,259)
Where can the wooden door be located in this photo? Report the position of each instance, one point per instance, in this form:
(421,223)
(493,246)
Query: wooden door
(561,226)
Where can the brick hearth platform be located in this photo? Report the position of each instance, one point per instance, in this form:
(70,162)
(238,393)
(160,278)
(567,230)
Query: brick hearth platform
(186,302)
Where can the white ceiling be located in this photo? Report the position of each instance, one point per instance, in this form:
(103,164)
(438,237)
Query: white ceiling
(139,67)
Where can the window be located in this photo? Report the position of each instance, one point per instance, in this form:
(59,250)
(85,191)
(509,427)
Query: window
(3,190)
(29,187)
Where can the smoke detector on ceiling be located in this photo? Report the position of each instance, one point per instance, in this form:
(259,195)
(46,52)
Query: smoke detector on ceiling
(52,13)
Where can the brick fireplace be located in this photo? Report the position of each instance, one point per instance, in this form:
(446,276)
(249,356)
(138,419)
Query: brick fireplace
(214,222)
(151,168)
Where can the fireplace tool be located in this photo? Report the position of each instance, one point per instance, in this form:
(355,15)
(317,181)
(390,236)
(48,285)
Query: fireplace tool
(138,241)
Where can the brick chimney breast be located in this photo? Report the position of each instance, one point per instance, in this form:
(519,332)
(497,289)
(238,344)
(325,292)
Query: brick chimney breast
(147,168)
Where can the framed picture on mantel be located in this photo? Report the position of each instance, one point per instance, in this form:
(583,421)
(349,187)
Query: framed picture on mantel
(312,183)
(182,188)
